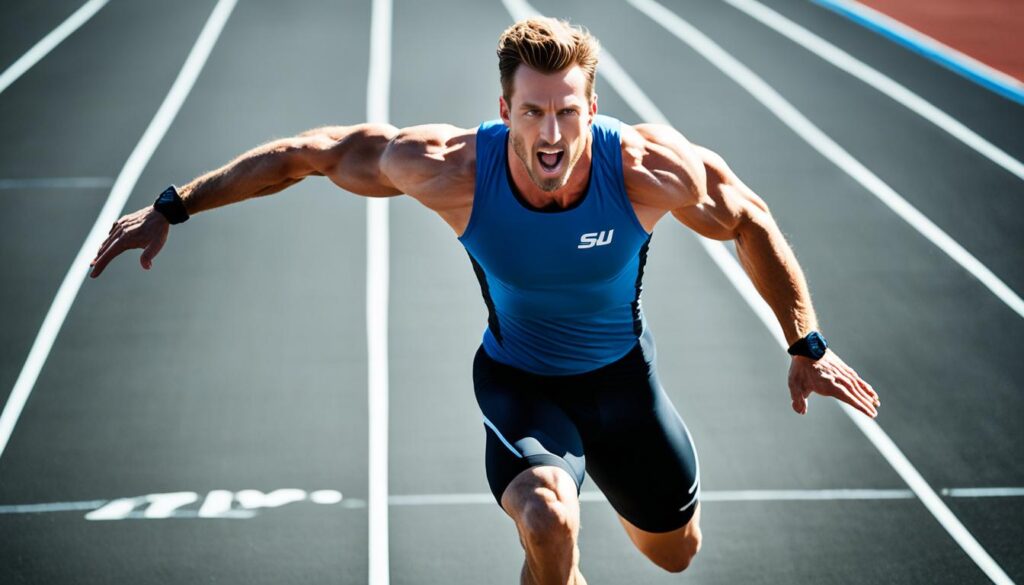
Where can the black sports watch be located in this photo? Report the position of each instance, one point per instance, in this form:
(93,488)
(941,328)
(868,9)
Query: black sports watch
(812,345)
(170,205)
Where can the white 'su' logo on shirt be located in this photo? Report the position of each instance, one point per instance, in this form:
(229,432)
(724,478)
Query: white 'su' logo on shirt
(602,238)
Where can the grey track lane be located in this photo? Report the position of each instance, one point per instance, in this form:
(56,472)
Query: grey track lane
(997,119)
(918,327)
(238,362)
(961,191)
(23,24)
(701,325)
(78,112)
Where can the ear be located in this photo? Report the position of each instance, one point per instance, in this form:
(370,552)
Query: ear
(504,111)
(593,108)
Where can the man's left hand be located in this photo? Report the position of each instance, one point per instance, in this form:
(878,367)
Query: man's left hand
(830,376)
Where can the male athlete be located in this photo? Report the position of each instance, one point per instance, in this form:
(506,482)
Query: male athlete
(565,376)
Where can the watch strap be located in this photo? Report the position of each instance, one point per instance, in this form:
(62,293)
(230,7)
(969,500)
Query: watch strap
(812,345)
(171,206)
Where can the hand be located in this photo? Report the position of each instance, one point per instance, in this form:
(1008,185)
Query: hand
(146,228)
(830,376)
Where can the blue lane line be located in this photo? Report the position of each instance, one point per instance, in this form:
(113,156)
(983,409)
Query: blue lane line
(943,57)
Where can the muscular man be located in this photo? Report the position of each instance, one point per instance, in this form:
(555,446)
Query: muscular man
(555,206)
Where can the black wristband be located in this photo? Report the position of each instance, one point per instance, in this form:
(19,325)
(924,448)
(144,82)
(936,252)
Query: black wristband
(812,345)
(170,205)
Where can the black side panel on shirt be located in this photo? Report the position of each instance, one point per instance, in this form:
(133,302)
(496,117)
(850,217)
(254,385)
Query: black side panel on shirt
(638,325)
(492,315)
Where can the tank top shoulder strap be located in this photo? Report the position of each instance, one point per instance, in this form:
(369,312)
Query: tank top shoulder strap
(490,168)
(607,148)
(490,165)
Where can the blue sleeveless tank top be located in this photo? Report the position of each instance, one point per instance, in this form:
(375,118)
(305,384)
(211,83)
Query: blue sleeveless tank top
(562,288)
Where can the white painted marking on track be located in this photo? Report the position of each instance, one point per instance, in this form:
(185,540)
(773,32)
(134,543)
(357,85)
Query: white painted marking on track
(164,505)
(645,108)
(122,188)
(1002,492)
(821,142)
(57,183)
(218,503)
(946,56)
(879,81)
(51,507)
(256,499)
(377,277)
(47,43)
(326,497)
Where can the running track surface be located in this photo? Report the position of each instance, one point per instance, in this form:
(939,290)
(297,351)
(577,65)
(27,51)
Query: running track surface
(216,406)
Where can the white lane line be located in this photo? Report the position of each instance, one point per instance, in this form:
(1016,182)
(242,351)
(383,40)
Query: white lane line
(218,503)
(820,141)
(377,277)
(52,507)
(122,188)
(961,64)
(47,43)
(645,109)
(705,496)
(57,183)
(983,492)
(879,81)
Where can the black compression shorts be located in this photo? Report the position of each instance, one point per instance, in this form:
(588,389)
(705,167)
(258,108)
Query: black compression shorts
(615,423)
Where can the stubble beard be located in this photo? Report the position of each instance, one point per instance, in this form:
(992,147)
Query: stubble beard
(545,184)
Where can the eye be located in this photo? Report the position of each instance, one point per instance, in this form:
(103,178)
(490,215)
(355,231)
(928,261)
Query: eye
(571,111)
(531,113)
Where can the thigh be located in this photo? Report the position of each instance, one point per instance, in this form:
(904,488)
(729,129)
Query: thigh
(639,451)
(524,427)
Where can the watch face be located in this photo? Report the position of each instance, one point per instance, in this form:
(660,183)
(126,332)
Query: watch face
(167,196)
(816,343)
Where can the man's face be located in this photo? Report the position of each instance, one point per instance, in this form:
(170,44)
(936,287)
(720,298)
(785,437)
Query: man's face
(549,122)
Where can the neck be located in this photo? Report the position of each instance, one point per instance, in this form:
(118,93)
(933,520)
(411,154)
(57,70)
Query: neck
(564,196)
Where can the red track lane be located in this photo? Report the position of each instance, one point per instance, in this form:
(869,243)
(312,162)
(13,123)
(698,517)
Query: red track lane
(991,31)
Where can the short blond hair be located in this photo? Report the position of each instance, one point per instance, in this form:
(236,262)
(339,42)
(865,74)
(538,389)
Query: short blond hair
(547,45)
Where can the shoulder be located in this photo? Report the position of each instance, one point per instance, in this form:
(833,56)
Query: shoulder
(660,167)
(432,160)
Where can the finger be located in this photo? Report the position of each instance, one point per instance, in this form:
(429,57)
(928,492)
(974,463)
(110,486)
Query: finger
(851,386)
(857,403)
(864,386)
(858,390)
(112,252)
(799,398)
(113,227)
(118,231)
(106,246)
(150,252)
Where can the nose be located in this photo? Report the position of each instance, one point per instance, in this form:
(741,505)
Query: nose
(549,131)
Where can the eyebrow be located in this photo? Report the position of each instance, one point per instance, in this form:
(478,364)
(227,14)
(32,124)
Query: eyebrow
(529,106)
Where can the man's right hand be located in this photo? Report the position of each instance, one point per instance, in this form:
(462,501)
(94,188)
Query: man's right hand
(146,228)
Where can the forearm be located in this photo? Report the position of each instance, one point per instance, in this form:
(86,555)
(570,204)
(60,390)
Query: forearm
(263,170)
(772,266)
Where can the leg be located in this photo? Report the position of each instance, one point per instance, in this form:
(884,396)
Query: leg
(641,455)
(543,503)
(535,465)
(672,551)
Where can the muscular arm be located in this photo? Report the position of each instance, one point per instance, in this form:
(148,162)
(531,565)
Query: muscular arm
(732,211)
(717,205)
(348,155)
(376,160)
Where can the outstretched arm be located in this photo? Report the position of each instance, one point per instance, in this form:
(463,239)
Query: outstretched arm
(665,171)
(729,210)
(350,156)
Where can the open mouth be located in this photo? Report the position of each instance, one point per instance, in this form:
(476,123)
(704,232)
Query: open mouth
(551,160)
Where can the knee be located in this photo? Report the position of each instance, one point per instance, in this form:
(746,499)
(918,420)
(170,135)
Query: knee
(544,509)
(680,558)
(545,520)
